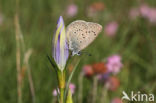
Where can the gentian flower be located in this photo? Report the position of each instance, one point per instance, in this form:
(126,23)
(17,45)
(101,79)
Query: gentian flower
(60,47)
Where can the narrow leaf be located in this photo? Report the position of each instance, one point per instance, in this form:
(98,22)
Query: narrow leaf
(70,77)
(69,97)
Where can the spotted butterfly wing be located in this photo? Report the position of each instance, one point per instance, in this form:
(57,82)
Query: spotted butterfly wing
(80,34)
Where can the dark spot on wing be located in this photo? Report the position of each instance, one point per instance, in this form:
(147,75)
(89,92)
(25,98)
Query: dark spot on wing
(94,33)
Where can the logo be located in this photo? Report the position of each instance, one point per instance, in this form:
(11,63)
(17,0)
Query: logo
(138,97)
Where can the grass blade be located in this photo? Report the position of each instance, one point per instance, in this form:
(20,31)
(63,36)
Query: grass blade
(70,77)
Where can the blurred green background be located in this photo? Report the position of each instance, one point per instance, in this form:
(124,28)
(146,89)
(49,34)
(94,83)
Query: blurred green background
(134,41)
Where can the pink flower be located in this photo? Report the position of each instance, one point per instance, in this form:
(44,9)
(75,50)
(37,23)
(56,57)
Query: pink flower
(148,13)
(152,15)
(114,64)
(112,83)
(72,10)
(134,13)
(116,100)
(144,10)
(72,88)
(55,92)
(88,70)
(111,28)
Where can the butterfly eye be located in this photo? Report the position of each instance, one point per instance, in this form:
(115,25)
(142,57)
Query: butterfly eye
(79,53)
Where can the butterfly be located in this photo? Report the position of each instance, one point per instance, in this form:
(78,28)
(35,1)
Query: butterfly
(80,34)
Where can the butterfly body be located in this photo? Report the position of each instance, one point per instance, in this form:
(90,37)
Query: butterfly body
(80,34)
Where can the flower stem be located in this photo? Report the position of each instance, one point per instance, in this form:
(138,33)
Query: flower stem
(80,92)
(95,87)
(61,95)
(61,80)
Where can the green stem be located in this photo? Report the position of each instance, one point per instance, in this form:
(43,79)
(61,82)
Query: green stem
(69,79)
(61,95)
(61,79)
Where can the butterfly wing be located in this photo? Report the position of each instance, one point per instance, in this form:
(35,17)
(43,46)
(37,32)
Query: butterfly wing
(92,31)
(81,33)
(73,35)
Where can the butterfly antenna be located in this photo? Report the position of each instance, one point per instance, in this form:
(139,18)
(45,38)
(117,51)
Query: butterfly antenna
(84,52)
